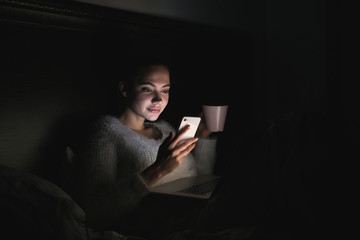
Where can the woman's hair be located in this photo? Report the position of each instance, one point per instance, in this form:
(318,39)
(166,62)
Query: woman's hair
(138,71)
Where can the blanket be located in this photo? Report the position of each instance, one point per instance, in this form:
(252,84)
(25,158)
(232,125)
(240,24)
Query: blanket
(32,207)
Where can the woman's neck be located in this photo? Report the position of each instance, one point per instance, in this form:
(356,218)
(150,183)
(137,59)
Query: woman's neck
(136,123)
(132,120)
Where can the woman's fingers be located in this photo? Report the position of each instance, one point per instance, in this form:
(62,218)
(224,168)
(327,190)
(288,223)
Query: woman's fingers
(185,147)
(182,131)
(178,154)
(187,150)
(172,152)
(178,136)
(172,149)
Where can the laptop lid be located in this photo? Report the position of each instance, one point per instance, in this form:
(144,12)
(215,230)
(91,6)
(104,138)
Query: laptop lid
(200,186)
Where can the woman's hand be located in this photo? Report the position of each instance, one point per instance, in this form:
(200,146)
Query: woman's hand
(170,155)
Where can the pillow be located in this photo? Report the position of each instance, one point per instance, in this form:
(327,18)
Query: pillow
(34,207)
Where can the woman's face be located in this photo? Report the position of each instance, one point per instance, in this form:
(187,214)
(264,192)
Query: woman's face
(150,93)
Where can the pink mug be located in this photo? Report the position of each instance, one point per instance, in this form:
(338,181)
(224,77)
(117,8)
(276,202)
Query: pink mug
(215,117)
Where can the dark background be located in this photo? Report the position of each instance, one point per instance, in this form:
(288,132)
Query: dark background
(61,60)
(60,65)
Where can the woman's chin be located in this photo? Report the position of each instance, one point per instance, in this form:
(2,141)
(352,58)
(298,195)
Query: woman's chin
(152,118)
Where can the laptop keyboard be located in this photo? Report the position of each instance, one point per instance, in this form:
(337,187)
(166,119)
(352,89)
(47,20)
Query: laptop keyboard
(202,188)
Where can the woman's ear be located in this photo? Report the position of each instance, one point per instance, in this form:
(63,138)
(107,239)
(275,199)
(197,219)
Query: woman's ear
(122,88)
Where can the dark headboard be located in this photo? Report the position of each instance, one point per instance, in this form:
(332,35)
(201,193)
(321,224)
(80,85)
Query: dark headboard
(61,60)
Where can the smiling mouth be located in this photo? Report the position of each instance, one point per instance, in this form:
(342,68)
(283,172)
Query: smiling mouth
(154,110)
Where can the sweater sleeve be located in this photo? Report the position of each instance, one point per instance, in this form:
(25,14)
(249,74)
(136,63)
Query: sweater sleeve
(205,155)
(109,188)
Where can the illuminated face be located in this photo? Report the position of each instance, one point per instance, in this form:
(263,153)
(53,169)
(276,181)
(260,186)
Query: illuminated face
(150,94)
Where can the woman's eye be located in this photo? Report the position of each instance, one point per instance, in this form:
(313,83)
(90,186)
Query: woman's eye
(166,91)
(144,89)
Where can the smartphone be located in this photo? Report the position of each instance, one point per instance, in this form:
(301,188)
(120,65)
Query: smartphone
(194,124)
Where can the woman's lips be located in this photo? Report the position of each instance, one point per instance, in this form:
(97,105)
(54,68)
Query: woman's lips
(154,110)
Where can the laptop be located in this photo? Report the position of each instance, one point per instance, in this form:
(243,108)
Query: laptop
(201,186)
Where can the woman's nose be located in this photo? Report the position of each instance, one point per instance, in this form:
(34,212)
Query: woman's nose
(157,97)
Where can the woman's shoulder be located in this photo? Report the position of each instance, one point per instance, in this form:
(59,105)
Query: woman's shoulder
(107,124)
(104,122)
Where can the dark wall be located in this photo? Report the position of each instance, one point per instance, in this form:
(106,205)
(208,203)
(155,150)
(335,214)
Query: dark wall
(291,57)
(60,65)
(48,74)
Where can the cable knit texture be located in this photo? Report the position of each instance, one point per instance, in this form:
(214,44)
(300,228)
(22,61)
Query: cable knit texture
(109,184)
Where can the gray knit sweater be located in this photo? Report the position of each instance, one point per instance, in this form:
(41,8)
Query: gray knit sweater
(109,184)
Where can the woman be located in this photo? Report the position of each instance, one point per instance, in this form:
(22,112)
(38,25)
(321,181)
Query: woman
(131,152)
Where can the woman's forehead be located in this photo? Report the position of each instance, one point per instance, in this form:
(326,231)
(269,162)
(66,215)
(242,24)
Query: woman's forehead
(156,75)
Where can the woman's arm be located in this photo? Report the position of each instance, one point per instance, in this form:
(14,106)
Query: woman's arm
(107,186)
